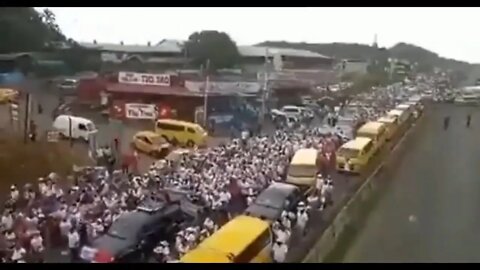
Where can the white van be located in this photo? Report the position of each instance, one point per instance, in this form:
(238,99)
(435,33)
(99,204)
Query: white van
(290,110)
(81,128)
(401,115)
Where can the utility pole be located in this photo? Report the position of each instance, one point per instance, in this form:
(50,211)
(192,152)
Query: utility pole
(205,93)
(265,89)
(26,120)
(70,133)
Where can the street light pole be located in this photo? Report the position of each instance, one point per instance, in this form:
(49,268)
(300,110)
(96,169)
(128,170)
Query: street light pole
(205,95)
(26,120)
(265,89)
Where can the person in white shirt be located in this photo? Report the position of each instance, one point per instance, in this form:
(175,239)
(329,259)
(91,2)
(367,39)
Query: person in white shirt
(302,220)
(7,221)
(18,254)
(14,193)
(319,183)
(10,237)
(73,244)
(36,243)
(65,226)
(180,245)
(279,252)
(245,134)
(208,224)
(313,201)
(162,252)
(285,221)
(282,235)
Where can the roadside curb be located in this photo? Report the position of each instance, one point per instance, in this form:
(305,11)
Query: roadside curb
(351,212)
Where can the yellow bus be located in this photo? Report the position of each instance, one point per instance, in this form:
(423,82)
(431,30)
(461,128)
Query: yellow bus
(243,239)
(355,155)
(375,131)
(303,169)
(181,132)
(391,124)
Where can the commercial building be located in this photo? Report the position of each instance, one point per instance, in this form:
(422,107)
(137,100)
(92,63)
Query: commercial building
(253,59)
(166,54)
(354,66)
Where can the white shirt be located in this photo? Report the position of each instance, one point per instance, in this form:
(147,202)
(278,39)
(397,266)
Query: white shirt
(166,251)
(286,222)
(14,194)
(302,219)
(282,236)
(37,243)
(208,224)
(319,183)
(18,254)
(73,239)
(65,227)
(324,190)
(279,252)
(225,196)
(98,227)
(7,222)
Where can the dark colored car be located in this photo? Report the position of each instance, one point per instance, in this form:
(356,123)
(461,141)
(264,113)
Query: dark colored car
(274,200)
(134,235)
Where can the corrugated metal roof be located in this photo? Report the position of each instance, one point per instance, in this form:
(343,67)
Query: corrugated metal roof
(13,56)
(258,51)
(115,47)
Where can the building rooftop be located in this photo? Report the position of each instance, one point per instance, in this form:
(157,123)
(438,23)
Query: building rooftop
(259,51)
(162,46)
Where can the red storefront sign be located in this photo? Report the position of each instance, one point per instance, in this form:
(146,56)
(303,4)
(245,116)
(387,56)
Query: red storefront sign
(144,79)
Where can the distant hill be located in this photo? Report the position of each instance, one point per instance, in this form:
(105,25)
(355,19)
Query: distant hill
(426,59)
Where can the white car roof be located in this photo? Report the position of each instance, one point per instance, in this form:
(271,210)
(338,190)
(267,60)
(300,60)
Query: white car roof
(290,107)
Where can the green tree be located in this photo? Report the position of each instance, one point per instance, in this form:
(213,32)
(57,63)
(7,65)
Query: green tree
(216,46)
(24,29)
(49,20)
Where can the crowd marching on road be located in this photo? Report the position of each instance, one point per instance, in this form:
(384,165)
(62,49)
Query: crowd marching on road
(223,180)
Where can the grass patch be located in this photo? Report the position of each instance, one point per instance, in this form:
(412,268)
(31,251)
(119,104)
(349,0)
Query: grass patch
(21,163)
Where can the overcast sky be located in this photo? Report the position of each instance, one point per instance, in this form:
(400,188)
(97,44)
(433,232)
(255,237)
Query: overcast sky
(451,32)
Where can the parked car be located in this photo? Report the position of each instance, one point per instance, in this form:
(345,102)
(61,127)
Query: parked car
(67,86)
(151,143)
(134,235)
(278,197)
(292,110)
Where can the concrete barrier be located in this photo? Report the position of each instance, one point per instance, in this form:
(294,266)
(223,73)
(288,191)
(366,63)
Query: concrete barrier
(353,211)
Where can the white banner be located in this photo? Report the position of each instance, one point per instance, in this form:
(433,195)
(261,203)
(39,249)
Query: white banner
(225,87)
(140,111)
(144,78)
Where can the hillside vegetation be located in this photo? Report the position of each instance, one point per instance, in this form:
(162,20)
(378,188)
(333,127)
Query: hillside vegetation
(426,59)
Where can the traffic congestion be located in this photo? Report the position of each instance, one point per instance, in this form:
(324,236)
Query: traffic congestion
(245,200)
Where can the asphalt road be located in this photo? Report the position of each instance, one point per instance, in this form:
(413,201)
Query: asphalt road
(429,211)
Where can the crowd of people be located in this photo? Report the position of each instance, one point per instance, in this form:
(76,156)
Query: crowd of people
(228,178)
(72,211)
(69,212)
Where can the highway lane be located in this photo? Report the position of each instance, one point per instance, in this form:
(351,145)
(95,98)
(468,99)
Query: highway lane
(429,212)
